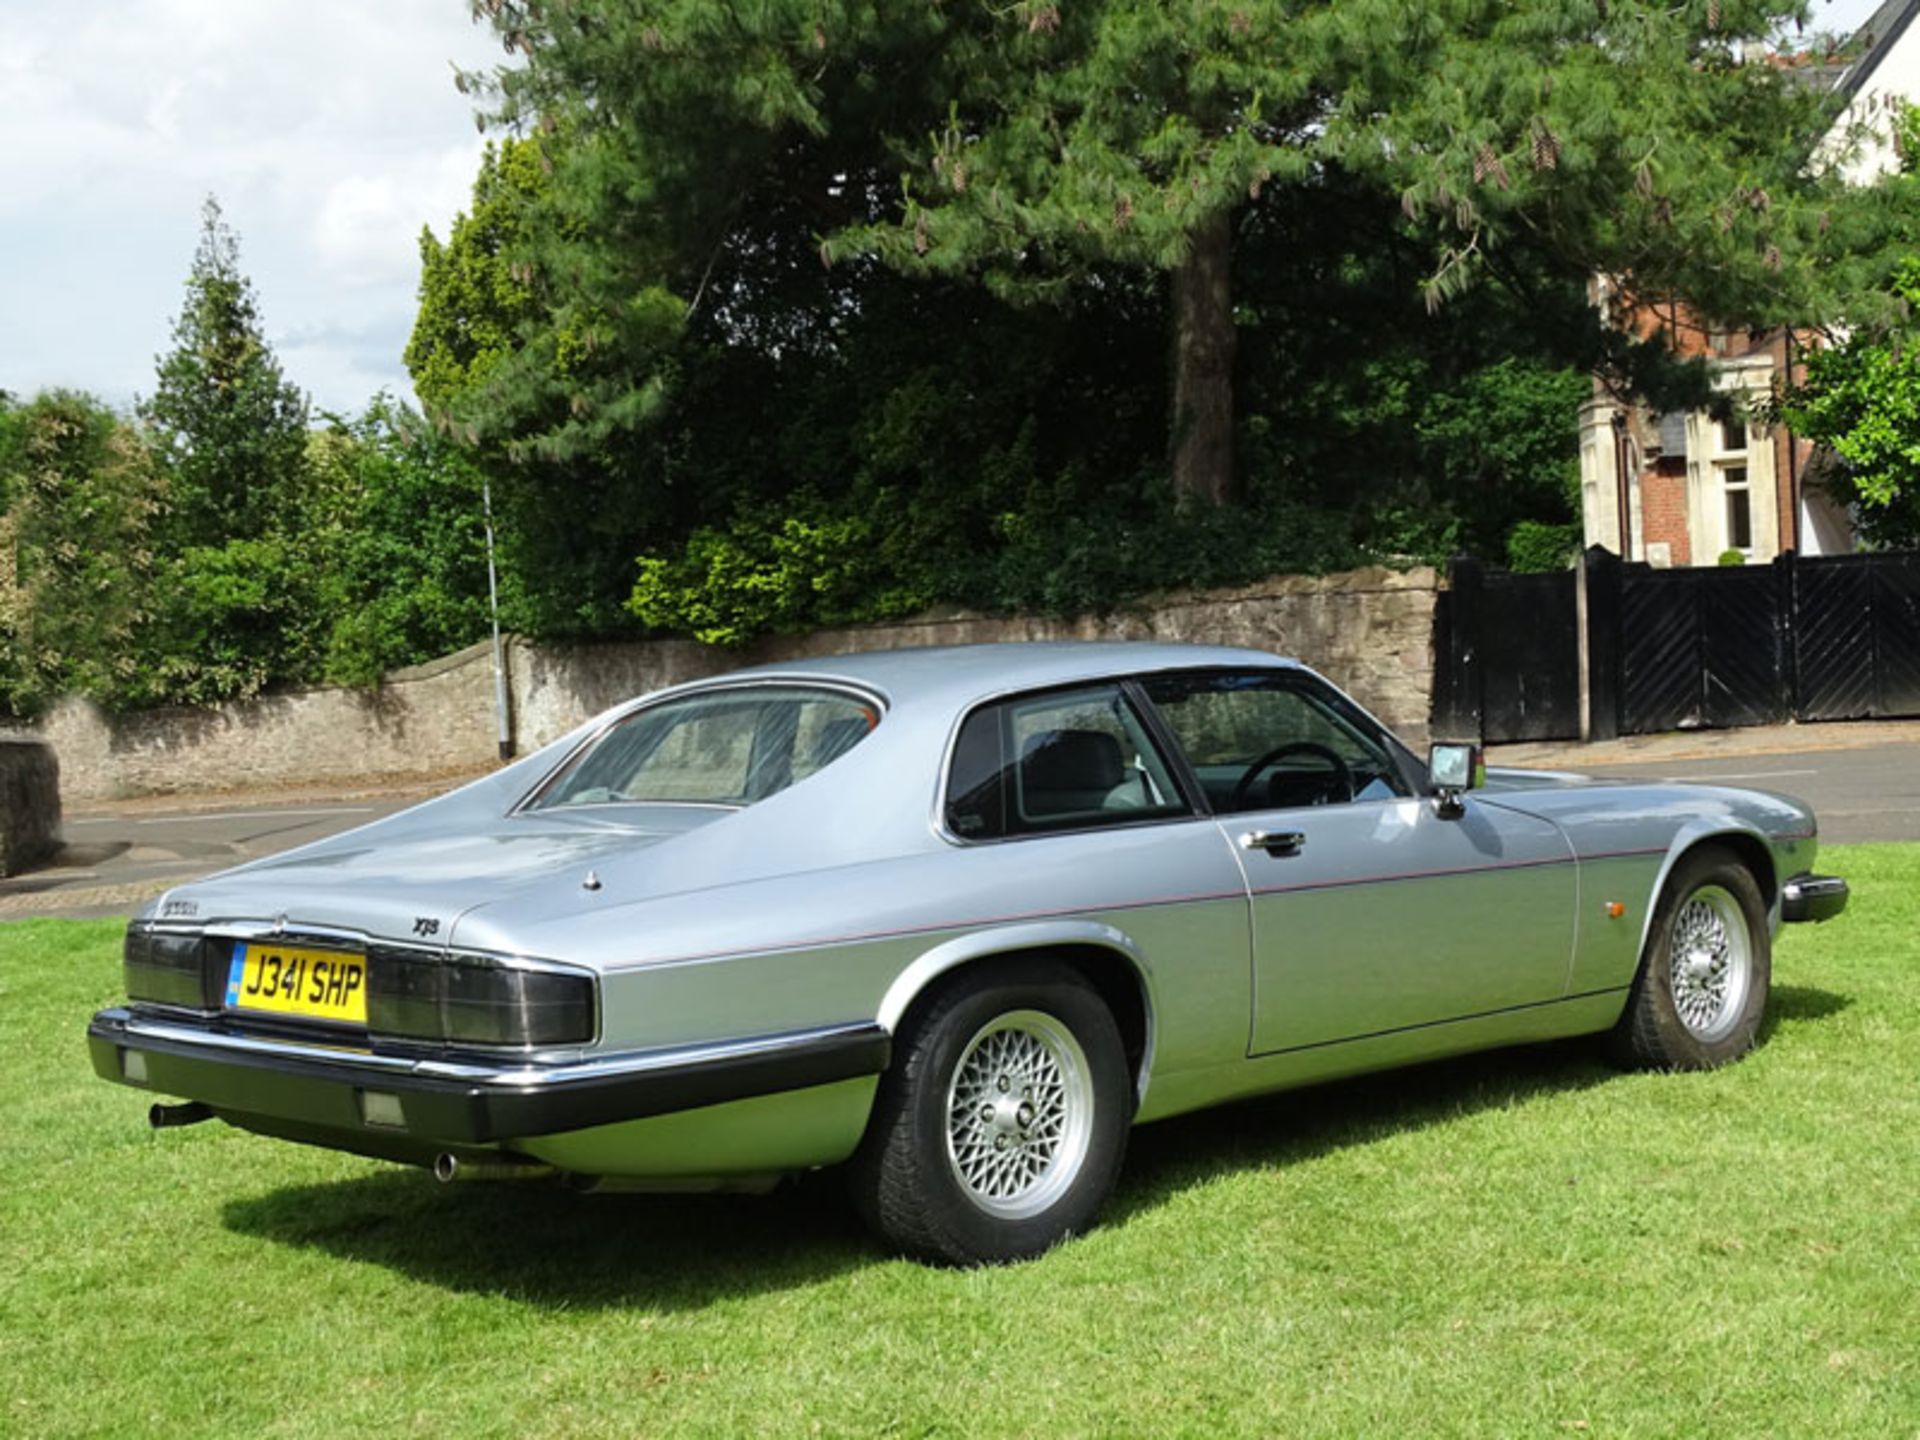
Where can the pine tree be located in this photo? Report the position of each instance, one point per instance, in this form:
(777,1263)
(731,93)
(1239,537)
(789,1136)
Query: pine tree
(232,431)
(1041,146)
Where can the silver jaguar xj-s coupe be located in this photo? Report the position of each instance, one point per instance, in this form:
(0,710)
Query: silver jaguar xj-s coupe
(954,919)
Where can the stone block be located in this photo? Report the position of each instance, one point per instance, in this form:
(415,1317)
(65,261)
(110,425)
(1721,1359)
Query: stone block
(29,803)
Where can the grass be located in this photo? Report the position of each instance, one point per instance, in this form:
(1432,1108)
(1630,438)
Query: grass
(1522,1243)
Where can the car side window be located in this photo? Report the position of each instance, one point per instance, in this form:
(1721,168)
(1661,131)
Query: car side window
(1273,740)
(1064,760)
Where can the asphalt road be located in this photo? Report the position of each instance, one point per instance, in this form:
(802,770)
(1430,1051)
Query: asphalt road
(115,860)
(1868,793)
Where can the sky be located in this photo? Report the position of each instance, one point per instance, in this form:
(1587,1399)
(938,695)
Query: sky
(330,133)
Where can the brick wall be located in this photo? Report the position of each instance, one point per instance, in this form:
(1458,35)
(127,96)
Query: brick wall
(1370,631)
(1663,510)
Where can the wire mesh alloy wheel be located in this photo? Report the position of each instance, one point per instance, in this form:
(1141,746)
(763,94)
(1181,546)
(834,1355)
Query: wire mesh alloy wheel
(1019,1114)
(1710,951)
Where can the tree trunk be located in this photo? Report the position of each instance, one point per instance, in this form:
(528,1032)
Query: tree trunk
(1201,445)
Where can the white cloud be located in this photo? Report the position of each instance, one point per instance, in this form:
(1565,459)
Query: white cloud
(368,226)
(331,134)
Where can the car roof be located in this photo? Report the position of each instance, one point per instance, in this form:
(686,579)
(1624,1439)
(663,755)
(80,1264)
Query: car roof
(959,672)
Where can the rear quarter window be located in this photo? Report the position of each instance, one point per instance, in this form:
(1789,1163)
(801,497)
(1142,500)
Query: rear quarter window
(1064,760)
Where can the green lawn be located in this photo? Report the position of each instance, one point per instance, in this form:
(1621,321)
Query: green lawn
(1519,1244)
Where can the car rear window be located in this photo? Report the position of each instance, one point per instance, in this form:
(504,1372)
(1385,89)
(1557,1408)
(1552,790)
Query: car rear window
(728,747)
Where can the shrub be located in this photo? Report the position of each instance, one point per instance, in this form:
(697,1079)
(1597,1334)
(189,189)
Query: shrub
(1534,547)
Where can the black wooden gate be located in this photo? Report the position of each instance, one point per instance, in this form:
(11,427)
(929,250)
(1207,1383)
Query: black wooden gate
(1831,638)
(1509,649)
(1699,648)
(1858,636)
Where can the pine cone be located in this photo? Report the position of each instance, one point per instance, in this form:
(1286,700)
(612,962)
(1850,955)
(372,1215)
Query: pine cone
(1546,147)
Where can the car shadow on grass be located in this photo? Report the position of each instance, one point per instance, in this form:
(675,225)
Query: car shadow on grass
(1790,1005)
(1296,1126)
(544,1244)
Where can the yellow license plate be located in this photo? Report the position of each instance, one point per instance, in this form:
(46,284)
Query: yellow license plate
(290,980)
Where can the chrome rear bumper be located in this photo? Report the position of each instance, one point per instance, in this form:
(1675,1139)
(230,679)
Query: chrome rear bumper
(461,1099)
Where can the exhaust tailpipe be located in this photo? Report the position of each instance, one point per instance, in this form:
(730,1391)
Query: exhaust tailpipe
(448,1168)
(166,1117)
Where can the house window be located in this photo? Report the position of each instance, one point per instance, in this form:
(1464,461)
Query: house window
(1732,479)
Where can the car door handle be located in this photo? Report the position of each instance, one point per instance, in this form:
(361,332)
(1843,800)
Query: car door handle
(1274,842)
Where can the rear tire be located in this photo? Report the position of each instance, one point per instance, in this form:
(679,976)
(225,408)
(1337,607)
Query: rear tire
(1701,992)
(1000,1128)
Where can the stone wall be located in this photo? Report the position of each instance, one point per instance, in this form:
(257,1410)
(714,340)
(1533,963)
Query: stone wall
(424,720)
(1371,631)
(29,803)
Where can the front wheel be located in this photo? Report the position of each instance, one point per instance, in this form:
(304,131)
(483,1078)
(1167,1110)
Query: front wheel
(1001,1126)
(1702,988)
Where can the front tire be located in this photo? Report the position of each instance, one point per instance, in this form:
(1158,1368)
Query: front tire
(1701,992)
(1000,1128)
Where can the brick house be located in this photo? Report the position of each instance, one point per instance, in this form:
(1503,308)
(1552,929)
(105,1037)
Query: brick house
(1684,489)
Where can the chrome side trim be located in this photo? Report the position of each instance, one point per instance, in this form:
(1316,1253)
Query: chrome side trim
(518,1078)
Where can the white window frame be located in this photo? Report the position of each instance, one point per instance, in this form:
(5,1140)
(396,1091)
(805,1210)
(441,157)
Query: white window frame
(1746,381)
(1727,461)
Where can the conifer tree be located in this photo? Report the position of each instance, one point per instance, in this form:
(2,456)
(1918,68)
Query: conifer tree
(473,302)
(1042,146)
(232,431)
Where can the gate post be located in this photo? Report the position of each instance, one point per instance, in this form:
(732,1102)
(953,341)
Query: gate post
(1602,570)
(1786,610)
(1458,709)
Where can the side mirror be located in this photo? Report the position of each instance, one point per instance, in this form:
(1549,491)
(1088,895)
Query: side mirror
(1452,770)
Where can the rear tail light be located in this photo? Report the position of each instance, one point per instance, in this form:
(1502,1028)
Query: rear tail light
(168,968)
(464,1001)
(455,1000)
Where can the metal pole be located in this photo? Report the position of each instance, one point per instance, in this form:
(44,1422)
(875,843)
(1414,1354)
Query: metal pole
(1793,446)
(493,610)
(1582,651)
